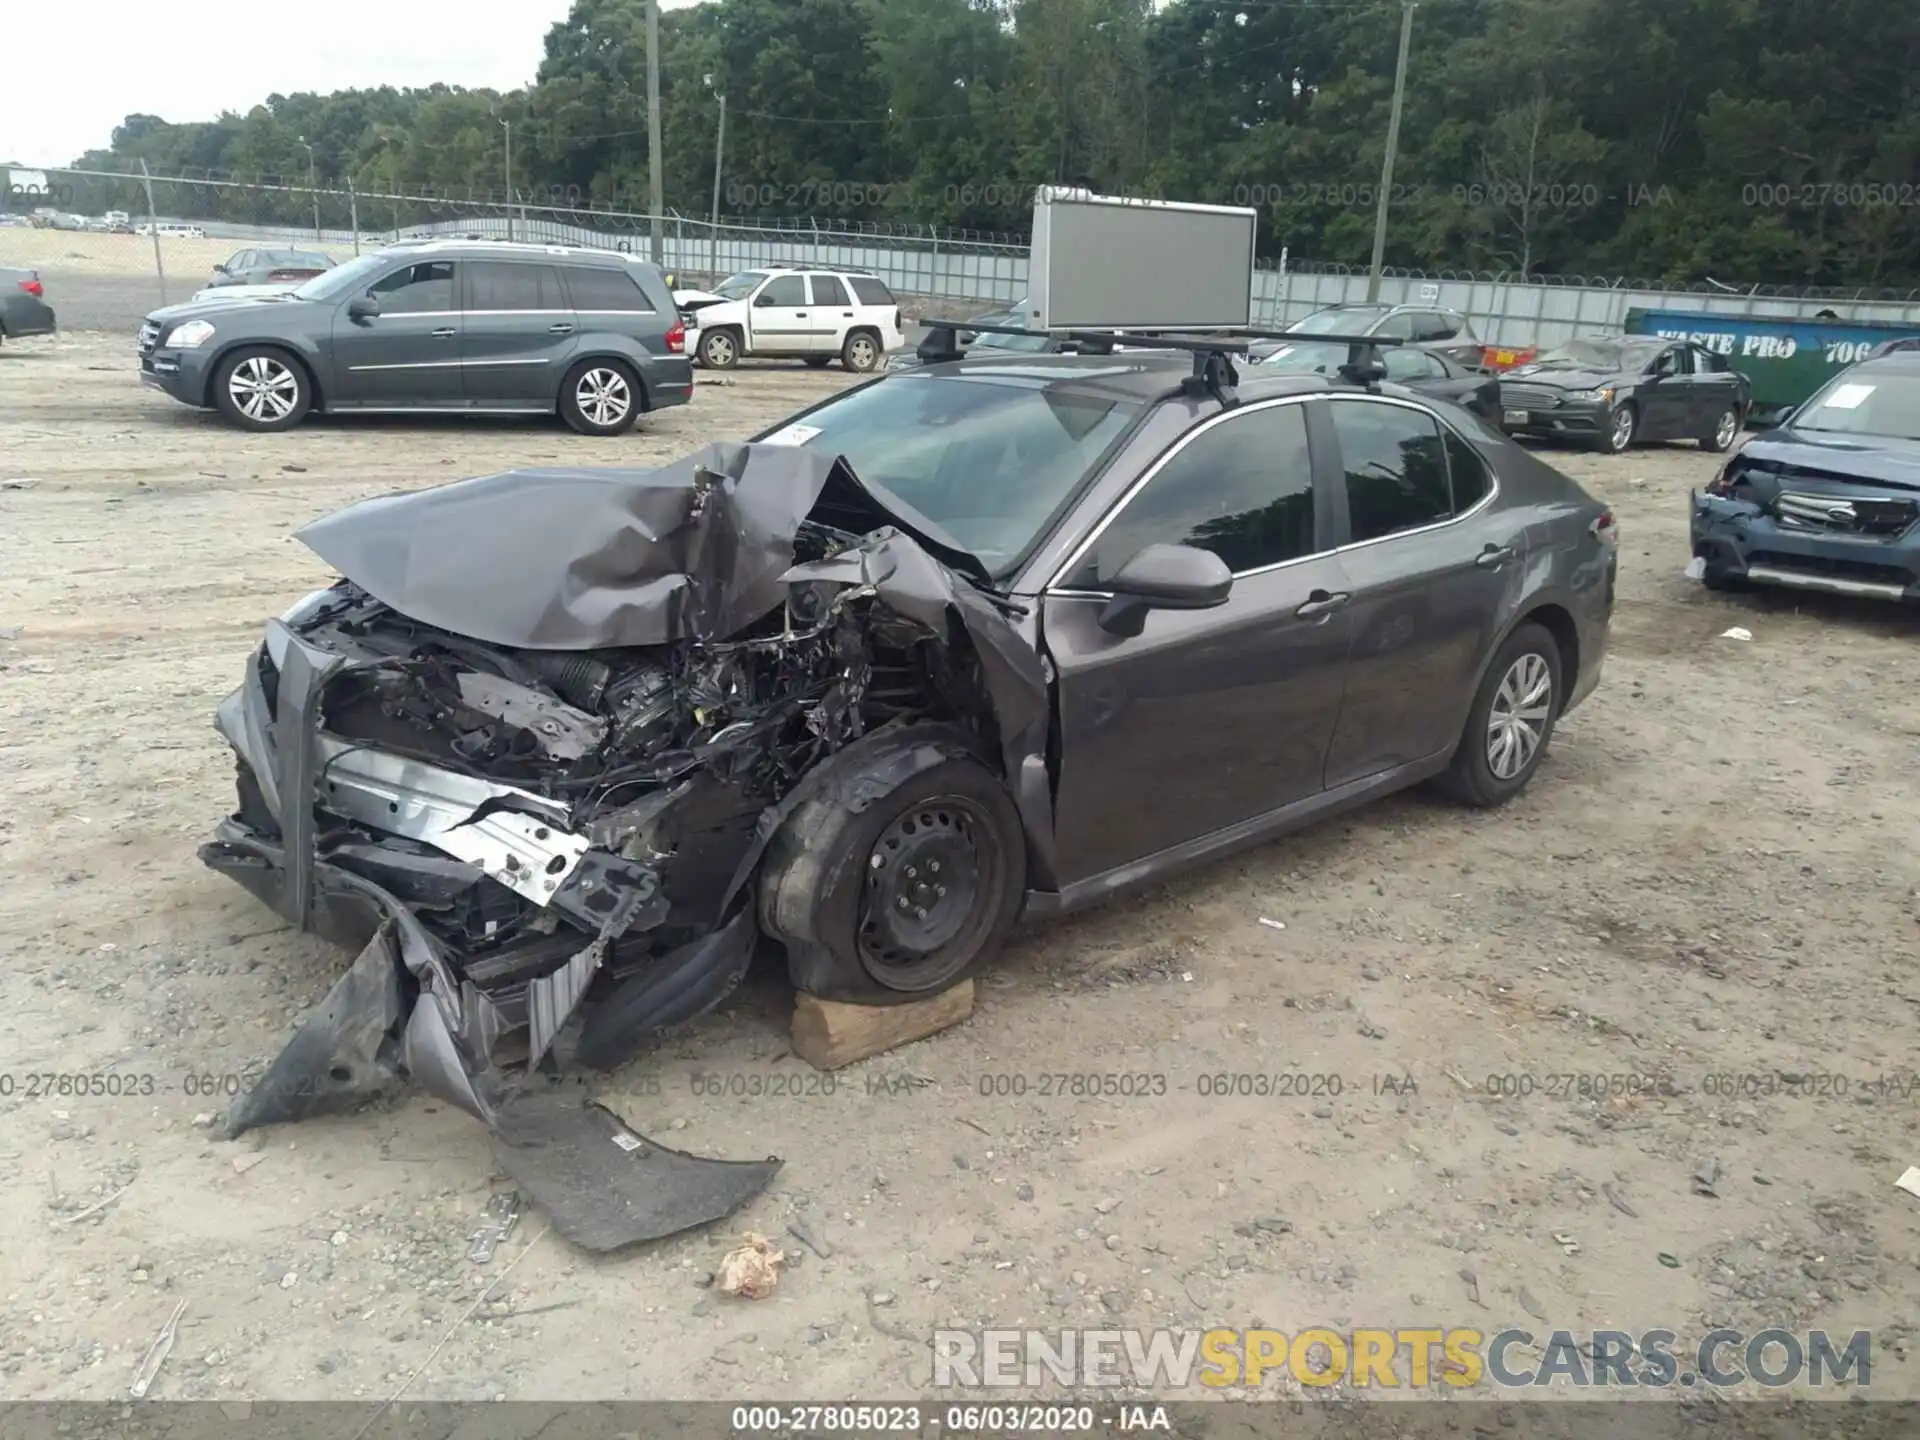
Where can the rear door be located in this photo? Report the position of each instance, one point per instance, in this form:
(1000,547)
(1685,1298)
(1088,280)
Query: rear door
(1433,566)
(780,318)
(1208,718)
(409,354)
(832,312)
(520,330)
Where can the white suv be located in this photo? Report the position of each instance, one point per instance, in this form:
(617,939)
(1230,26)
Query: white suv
(812,315)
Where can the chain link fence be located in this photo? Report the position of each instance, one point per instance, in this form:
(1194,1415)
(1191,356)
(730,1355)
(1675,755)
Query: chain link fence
(110,246)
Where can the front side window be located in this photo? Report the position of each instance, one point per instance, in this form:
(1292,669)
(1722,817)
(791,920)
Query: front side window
(786,291)
(1395,466)
(1243,488)
(417,289)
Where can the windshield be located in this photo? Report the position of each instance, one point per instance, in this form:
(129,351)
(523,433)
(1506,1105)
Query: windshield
(1598,355)
(1883,405)
(358,272)
(1319,358)
(1340,319)
(739,287)
(296,257)
(987,458)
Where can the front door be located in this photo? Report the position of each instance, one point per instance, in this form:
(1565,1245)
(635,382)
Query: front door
(1666,403)
(407,356)
(780,317)
(1431,567)
(519,331)
(1207,718)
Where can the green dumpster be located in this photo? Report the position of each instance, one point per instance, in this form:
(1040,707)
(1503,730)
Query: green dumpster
(1787,360)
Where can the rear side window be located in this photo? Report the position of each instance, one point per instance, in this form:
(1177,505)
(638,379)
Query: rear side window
(1242,489)
(870,291)
(593,288)
(498,285)
(1470,478)
(827,290)
(1395,465)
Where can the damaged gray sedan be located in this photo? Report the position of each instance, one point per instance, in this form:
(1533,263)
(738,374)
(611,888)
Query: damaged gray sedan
(984,639)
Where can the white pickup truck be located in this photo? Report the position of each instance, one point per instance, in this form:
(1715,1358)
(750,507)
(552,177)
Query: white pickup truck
(812,315)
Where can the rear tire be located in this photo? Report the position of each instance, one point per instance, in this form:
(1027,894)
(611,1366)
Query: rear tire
(1511,722)
(261,389)
(901,890)
(600,397)
(862,353)
(1726,429)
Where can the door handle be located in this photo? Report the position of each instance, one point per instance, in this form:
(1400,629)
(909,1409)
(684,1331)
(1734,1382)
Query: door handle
(1493,557)
(799,314)
(560,329)
(444,333)
(1321,603)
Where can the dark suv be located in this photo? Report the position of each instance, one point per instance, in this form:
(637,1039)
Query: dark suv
(478,327)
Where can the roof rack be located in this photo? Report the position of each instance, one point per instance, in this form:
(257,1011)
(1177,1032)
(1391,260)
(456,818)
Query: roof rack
(1213,370)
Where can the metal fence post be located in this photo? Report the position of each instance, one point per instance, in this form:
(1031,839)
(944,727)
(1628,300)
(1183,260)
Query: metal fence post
(353,213)
(153,228)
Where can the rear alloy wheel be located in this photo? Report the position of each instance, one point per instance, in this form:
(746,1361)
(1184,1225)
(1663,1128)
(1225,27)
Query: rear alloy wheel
(600,397)
(1725,429)
(1619,433)
(862,352)
(719,350)
(1511,722)
(259,389)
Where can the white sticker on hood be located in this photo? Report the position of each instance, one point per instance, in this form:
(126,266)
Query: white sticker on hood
(795,434)
(1847,397)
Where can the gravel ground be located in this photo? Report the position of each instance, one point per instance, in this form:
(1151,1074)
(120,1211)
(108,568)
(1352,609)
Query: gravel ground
(1713,875)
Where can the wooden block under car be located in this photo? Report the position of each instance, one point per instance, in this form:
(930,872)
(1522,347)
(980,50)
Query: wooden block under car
(828,1034)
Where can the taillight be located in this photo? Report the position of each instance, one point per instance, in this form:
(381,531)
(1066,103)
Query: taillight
(33,286)
(1604,528)
(676,338)
(291,274)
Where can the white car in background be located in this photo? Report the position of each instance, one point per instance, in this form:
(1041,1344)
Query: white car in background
(813,315)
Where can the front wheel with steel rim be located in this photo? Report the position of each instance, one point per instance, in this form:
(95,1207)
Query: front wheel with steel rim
(862,352)
(257,388)
(1621,426)
(1725,429)
(600,397)
(902,873)
(1511,722)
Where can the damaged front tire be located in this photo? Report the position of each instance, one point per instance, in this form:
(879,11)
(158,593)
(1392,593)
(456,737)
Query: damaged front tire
(900,876)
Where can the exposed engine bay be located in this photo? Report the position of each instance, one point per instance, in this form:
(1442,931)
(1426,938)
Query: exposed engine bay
(502,826)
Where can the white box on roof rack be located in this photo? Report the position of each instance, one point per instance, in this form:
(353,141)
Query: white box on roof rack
(1104,262)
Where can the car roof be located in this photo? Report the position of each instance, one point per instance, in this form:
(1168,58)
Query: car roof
(1894,362)
(516,250)
(1137,376)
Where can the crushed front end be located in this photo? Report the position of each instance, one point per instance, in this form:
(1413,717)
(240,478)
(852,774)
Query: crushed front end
(502,830)
(1807,529)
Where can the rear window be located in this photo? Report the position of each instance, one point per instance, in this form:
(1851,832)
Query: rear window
(870,291)
(596,289)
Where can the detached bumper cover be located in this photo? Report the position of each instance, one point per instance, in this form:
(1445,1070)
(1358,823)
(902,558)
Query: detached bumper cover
(1744,541)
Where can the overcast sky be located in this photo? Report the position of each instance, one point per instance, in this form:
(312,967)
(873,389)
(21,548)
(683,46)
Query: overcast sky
(82,69)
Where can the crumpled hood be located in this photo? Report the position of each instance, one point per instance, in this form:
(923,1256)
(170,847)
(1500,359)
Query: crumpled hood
(579,559)
(1559,378)
(1853,457)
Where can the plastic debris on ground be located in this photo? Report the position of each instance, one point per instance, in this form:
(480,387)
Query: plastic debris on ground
(753,1270)
(1910,1182)
(1696,568)
(1738,632)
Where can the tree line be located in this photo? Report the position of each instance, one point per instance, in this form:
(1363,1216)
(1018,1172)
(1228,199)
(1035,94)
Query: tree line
(1769,141)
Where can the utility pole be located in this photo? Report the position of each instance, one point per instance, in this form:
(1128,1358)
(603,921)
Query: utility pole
(719,157)
(507,126)
(1393,144)
(313,184)
(655,184)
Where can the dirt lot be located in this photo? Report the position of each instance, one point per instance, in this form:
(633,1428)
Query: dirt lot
(1713,876)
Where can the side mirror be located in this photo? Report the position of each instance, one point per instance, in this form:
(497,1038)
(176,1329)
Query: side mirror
(221,270)
(1165,577)
(362,307)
